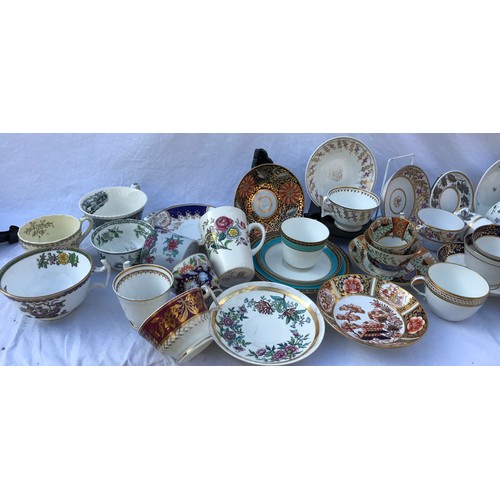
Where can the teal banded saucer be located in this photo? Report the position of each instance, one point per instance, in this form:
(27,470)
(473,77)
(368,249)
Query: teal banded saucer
(270,266)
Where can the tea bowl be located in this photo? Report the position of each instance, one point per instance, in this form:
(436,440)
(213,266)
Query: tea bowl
(350,207)
(438,226)
(488,268)
(303,241)
(181,327)
(51,284)
(389,261)
(54,231)
(113,203)
(395,235)
(453,292)
(120,241)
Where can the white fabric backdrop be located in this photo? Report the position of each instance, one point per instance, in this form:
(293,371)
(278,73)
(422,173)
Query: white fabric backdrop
(48,173)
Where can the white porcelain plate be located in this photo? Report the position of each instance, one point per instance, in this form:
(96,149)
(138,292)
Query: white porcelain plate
(266,323)
(488,189)
(372,311)
(452,191)
(341,161)
(406,192)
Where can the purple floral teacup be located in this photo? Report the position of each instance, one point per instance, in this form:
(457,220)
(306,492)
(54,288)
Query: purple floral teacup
(166,248)
(193,272)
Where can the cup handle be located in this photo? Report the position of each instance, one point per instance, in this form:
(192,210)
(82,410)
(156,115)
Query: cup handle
(326,206)
(89,227)
(127,264)
(262,229)
(414,281)
(136,185)
(208,291)
(105,267)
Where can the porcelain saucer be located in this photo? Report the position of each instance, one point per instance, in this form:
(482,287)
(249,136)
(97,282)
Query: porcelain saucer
(270,266)
(417,265)
(452,191)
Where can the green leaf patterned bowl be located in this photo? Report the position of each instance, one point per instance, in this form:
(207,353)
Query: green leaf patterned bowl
(120,241)
(49,285)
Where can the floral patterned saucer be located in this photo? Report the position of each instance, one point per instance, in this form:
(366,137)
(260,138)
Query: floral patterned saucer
(406,192)
(181,219)
(372,311)
(269,194)
(452,191)
(270,266)
(417,265)
(341,161)
(265,323)
(488,189)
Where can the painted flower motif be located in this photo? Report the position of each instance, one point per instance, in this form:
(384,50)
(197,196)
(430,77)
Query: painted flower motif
(246,187)
(233,232)
(63,258)
(229,336)
(172,245)
(210,239)
(264,307)
(352,285)
(227,321)
(290,193)
(415,324)
(185,269)
(260,352)
(278,355)
(223,223)
(242,224)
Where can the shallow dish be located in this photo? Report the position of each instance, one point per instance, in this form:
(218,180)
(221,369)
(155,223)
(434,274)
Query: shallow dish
(372,311)
(270,266)
(181,219)
(113,203)
(51,284)
(417,265)
(406,192)
(265,323)
(452,191)
(121,241)
(341,161)
(270,194)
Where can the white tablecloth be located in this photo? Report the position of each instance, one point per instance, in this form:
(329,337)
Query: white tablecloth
(48,173)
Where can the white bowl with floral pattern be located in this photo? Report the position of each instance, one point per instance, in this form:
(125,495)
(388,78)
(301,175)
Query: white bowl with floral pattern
(49,285)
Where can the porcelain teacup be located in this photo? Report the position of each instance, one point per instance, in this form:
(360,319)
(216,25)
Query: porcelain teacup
(395,235)
(54,231)
(453,292)
(226,234)
(141,290)
(472,219)
(439,226)
(488,268)
(486,240)
(193,272)
(303,241)
(350,207)
(167,249)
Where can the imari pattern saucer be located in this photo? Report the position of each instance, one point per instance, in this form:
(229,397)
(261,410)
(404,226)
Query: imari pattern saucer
(372,311)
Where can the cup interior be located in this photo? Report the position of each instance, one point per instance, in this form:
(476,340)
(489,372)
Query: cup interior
(49,228)
(142,283)
(438,218)
(121,236)
(113,202)
(45,273)
(353,199)
(304,230)
(490,245)
(458,280)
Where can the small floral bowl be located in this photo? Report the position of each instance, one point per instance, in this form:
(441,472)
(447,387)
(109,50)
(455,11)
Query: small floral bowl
(439,226)
(121,241)
(49,285)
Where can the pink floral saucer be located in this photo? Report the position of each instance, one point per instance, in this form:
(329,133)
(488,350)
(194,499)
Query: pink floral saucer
(372,311)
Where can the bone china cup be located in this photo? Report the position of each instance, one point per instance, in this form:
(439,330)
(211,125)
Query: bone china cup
(225,232)
(452,291)
(193,272)
(488,268)
(486,239)
(303,241)
(113,203)
(121,241)
(181,327)
(49,285)
(54,231)
(394,235)
(439,226)
(141,290)
(350,207)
